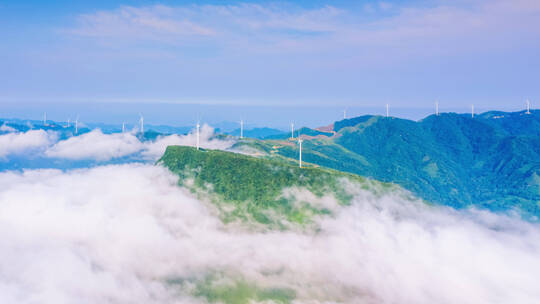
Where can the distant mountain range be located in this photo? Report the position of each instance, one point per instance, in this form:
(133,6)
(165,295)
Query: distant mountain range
(491,160)
(228,128)
(260,133)
(63,126)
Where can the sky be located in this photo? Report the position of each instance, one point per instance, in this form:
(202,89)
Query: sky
(340,54)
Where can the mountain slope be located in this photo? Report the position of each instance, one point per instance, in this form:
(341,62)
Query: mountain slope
(268,191)
(491,160)
(255,132)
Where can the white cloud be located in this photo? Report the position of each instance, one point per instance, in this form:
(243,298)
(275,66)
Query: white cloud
(155,149)
(470,25)
(22,142)
(154,23)
(116,233)
(196,21)
(6,128)
(385,6)
(103,147)
(96,145)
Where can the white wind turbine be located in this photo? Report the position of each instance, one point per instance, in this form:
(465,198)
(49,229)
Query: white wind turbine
(77,125)
(300,154)
(436,108)
(45,118)
(472,110)
(141,122)
(123,127)
(292,130)
(241,128)
(198,127)
(528,107)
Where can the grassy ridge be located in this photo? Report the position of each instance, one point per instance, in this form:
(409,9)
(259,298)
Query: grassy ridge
(254,186)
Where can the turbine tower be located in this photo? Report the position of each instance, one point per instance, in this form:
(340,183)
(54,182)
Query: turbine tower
(292,130)
(436,108)
(300,154)
(69,121)
(141,122)
(387,111)
(241,128)
(528,107)
(77,125)
(345,114)
(44,118)
(198,127)
(472,111)
(123,127)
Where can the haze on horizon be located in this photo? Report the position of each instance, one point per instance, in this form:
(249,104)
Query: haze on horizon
(260,53)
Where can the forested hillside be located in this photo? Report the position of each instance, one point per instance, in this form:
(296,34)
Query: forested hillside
(491,160)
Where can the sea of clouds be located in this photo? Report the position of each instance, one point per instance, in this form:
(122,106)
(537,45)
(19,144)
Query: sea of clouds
(121,233)
(95,146)
(24,142)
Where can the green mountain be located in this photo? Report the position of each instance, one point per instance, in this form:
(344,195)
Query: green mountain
(273,191)
(256,132)
(302,131)
(491,161)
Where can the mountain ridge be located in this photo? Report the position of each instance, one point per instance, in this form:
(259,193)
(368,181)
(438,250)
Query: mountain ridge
(488,161)
(267,191)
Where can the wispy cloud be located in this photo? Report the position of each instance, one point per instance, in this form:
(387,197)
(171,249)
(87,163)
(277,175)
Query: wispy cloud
(99,147)
(23,142)
(408,52)
(96,145)
(290,27)
(104,147)
(156,22)
(215,21)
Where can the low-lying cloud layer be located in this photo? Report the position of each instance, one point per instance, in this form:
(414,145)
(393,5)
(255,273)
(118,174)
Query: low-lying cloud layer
(118,234)
(96,145)
(13,143)
(101,147)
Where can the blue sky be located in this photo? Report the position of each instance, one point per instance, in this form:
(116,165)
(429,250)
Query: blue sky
(304,53)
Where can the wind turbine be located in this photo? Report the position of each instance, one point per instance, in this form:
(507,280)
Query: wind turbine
(45,118)
(387,111)
(241,128)
(472,110)
(77,125)
(436,108)
(198,127)
(292,130)
(300,154)
(141,122)
(528,107)
(123,127)
(345,114)
(68,122)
